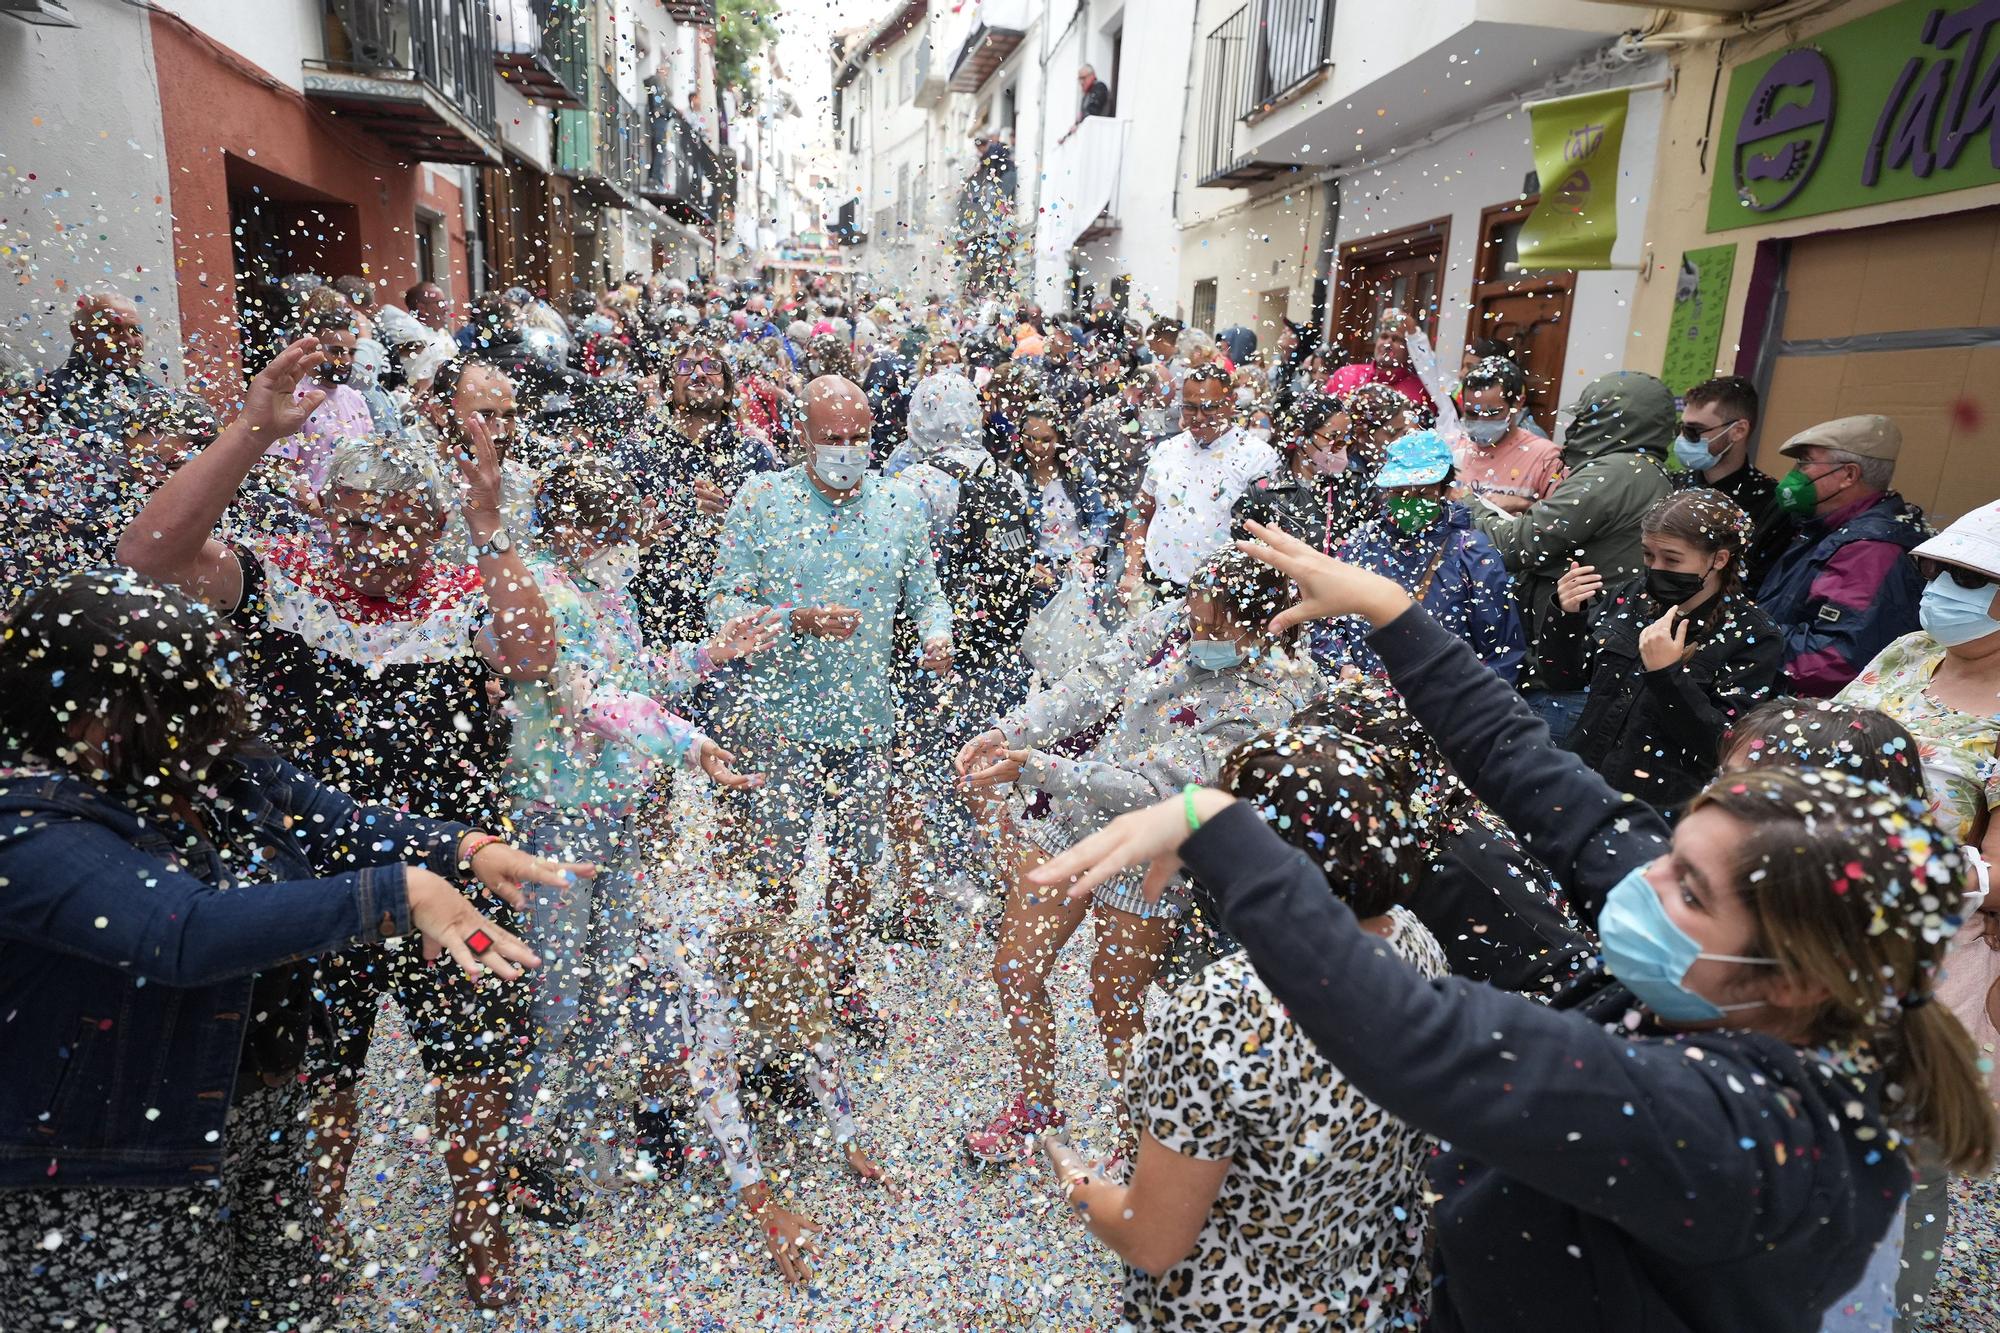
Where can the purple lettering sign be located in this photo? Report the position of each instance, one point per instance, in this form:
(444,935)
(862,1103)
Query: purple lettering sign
(1792,103)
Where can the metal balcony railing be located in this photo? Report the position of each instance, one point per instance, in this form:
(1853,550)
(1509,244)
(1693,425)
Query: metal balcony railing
(1225,74)
(550,65)
(682,173)
(444,47)
(1292,42)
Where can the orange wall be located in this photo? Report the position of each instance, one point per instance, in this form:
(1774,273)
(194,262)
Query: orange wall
(215,106)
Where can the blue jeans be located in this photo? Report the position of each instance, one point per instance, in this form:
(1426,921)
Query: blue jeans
(586,933)
(1561,709)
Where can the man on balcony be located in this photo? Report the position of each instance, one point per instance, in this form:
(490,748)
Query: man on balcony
(1096,99)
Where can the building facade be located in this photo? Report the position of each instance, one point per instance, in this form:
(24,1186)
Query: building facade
(1830,228)
(1339,164)
(193,159)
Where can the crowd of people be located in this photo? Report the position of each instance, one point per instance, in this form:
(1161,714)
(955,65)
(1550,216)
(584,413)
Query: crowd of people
(1642,794)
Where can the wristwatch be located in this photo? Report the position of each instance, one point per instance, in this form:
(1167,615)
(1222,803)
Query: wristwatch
(500,544)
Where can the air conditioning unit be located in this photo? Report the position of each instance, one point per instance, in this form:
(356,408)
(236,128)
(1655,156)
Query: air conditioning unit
(52,13)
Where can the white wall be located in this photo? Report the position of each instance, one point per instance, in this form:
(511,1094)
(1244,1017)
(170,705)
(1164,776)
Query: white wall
(81,108)
(1155,70)
(1485,165)
(277,36)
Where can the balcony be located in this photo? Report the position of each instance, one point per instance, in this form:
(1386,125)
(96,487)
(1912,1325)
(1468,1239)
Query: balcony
(997,29)
(548,61)
(1288,50)
(1081,188)
(931,85)
(683,175)
(701,13)
(1330,85)
(1230,77)
(416,74)
(604,149)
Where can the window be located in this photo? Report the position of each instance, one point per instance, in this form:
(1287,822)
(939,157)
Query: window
(1403,270)
(903,196)
(1203,314)
(1117,60)
(906,74)
(920,200)
(426,233)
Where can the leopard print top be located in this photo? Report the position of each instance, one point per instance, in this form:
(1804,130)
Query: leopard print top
(1321,1221)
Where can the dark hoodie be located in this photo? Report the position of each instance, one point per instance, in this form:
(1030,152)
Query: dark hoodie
(1612,454)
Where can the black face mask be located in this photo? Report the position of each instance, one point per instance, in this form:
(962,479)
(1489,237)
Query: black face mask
(330,373)
(1671,587)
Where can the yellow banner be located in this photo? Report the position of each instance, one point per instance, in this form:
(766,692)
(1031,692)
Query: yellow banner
(1576,156)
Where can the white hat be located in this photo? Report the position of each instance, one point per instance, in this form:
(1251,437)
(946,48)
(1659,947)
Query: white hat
(1972,542)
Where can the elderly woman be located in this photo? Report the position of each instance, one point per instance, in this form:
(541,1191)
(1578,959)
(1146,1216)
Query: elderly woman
(164,874)
(366,645)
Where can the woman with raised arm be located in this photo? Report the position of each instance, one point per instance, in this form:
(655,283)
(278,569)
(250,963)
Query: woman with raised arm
(1728,1157)
(163,873)
(367,643)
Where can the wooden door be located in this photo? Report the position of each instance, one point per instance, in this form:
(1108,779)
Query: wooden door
(1403,270)
(1527,311)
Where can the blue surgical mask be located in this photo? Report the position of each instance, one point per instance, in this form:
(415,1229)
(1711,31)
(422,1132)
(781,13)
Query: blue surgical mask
(1695,455)
(1953,615)
(1488,431)
(1649,953)
(1214,654)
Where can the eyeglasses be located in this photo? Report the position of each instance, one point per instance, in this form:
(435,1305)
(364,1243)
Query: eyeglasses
(1222,405)
(1969,579)
(685,367)
(1694,434)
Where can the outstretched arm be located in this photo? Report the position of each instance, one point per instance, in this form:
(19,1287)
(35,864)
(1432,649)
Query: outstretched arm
(172,538)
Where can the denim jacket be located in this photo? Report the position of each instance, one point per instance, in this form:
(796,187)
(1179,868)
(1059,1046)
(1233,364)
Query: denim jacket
(126,961)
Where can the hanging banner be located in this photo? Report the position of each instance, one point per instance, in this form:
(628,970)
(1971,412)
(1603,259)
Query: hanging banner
(1701,298)
(1576,157)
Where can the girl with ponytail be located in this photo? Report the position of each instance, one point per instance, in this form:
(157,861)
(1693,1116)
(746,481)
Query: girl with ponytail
(1728,1153)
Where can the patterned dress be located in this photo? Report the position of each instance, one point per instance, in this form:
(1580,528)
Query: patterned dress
(1321,1221)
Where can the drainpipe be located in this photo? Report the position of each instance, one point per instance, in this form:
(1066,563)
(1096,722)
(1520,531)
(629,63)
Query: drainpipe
(1323,261)
(1187,104)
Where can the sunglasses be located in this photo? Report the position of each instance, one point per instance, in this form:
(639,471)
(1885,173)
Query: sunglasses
(1969,579)
(1694,434)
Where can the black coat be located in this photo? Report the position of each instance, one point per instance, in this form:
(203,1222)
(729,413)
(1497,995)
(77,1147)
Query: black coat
(1593,1177)
(1657,734)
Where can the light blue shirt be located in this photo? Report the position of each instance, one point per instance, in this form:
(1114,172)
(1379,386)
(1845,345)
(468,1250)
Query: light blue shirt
(785,545)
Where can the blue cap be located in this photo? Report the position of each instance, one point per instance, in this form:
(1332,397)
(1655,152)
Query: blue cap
(1421,458)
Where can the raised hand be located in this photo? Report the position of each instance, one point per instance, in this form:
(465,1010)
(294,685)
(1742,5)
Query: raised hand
(451,924)
(980,751)
(502,870)
(479,468)
(1577,586)
(1664,642)
(747,634)
(719,764)
(269,410)
(1151,837)
(1327,587)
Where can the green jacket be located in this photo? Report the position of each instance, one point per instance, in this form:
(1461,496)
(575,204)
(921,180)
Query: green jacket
(1612,454)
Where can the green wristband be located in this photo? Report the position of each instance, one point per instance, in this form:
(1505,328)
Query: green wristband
(1187,806)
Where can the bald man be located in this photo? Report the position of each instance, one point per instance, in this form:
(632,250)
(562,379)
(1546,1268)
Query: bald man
(104,379)
(841,552)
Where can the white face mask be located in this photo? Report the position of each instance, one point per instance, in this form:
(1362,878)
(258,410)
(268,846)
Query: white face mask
(612,567)
(1261,434)
(1328,461)
(840,465)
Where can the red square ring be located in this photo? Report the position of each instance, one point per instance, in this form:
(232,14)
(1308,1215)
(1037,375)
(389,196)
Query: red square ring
(479,941)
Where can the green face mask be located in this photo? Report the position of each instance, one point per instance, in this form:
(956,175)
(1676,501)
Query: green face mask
(1798,494)
(1414,513)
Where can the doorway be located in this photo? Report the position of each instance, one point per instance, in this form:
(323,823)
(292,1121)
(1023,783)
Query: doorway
(1403,270)
(1529,312)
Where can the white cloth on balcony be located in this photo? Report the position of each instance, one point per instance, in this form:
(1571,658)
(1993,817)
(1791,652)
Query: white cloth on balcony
(1081,183)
